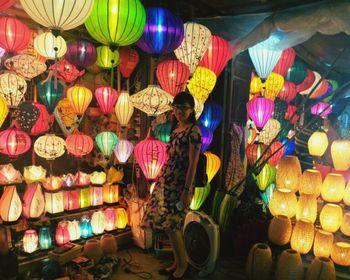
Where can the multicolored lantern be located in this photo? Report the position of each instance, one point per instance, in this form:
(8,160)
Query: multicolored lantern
(254,152)
(270,131)
(10,205)
(33,201)
(288,173)
(340,151)
(123,150)
(124,108)
(331,217)
(79,144)
(122,218)
(53,183)
(106,142)
(34,173)
(43,122)
(106,98)
(54,202)
(212,115)
(285,61)
(14,142)
(49,146)
(81,53)
(110,193)
(333,188)
(302,236)
(213,165)
(45,240)
(14,35)
(30,241)
(110,218)
(276,152)
(98,222)
(13,87)
(129,58)
(74,230)
(62,234)
(260,110)
(79,97)
(307,83)
(202,83)
(50,46)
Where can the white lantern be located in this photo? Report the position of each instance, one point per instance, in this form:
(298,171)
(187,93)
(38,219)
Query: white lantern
(13,87)
(98,222)
(26,65)
(49,46)
(74,230)
(123,150)
(49,146)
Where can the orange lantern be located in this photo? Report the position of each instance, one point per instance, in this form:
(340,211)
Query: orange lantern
(9,175)
(317,143)
(341,253)
(302,236)
(345,225)
(122,218)
(283,202)
(333,188)
(331,217)
(33,201)
(79,97)
(110,193)
(53,183)
(323,243)
(346,197)
(307,207)
(310,182)
(10,205)
(288,173)
(254,152)
(213,165)
(96,193)
(340,151)
(280,230)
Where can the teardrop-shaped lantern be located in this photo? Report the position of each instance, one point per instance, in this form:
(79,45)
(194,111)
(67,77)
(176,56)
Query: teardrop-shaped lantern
(12,87)
(162,131)
(106,142)
(254,151)
(317,143)
(62,233)
(285,61)
(129,58)
(260,110)
(213,165)
(202,83)
(49,93)
(98,222)
(340,151)
(33,201)
(49,146)
(207,137)
(107,58)
(106,98)
(199,196)
(80,98)
(198,107)
(3,109)
(79,144)
(14,35)
(10,205)
(14,142)
(49,46)
(74,230)
(212,115)
(266,176)
(123,150)
(81,53)
(25,65)
(124,108)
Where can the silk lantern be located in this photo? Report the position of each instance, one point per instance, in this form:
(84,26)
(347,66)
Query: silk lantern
(82,179)
(285,61)
(68,180)
(14,35)
(323,243)
(267,194)
(346,197)
(45,240)
(33,201)
(331,217)
(106,142)
(310,182)
(65,116)
(110,193)
(260,110)
(317,143)
(49,146)
(66,71)
(98,222)
(42,124)
(163,31)
(79,97)
(340,151)
(49,94)
(333,188)
(10,205)
(9,175)
(54,202)
(213,165)
(71,199)
(280,230)
(25,65)
(297,72)
(111,219)
(106,98)
(129,58)
(14,142)
(162,131)
(320,90)
(122,218)
(321,109)
(307,83)
(81,53)
(106,58)
(13,87)
(207,138)
(283,202)
(199,196)
(85,227)
(124,108)
(266,176)
(34,173)
(79,144)
(306,208)
(345,225)
(340,253)
(288,173)
(288,92)
(3,110)
(84,197)
(270,131)
(202,83)
(6,4)
(53,183)
(50,46)
(62,234)
(302,236)
(276,153)
(291,114)
(123,150)
(255,151)
(30,241)
(74,230)
(212,115)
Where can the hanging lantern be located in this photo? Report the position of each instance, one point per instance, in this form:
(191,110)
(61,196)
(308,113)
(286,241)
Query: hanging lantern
(110,218)
(14,35)
(284,62)
(25,65)
(129,58)
(266,176)
(152,100)
(106,98)
(254,152)
(45,240)
(199,196)
(297,72)
(283,202)
(317,143)
(106,142)
(30,241)
(49,94)
(333,188)
(27,116)
(107,58)
(54,202)
(6,4)
(162,131)
(115,175)
(3,109)
(198,107)
(202,83)
(321,109)
(267,194)
(53,183)
(151,155)
(212,115)
(272,86)
(13,88)
(9,175)
(79,97)
(84,197)
(302,236)
(42,124)
(71,199)
(49,146)
(307,208)
(124,108)
(291,114)
(277,151)
(213,165)
(320,91)
(340,151)
(62,234)
(323,243)
(14,142)
(331,217)
(260,110)
(340,253)
(315,77)
(288,92)
(122,218)
(74,230)
(33,202)
(85,227)
(123,150)
(280,230)
(207,138)
(81,53)
(98,222)
(289,146)
(66,71)
(163,32)
(345,225)
(307,83)
(79,144)
(310,182)
(270,131)
(288,173)
(50,46)
(196,41)
(110,193)
(10,205)
(34,173)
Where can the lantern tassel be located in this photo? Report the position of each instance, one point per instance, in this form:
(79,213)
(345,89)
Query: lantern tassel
(55,69)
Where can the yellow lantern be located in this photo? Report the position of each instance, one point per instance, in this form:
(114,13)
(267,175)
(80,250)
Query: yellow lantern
(341,253)
(49,146)
(54,202)
(345,225)
(307,207)
(98,178)
(280,230)
(272,86)
(115,175)
(331,217)
(84,197)
(107,58)
(79,97)
(122,218)
(34,173)
(269,132)
(110,193)
(255,84)
(283,202)
(323,243)
(10,205)
(74,230)
(333,187)
(340,151)
(64,114)
(50,46)
(53,183)
(3,109)
(124,108)
(346,197)
(288,173)
(302,236)
(9,175)
(13,88)
(213,165)
(98,222)
(311,182)
(317,143)
(202,83)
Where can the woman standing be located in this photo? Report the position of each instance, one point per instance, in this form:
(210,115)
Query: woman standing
(174,187)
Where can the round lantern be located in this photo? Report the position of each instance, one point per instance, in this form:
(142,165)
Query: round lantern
(49,146)
(310,182)
(34,173)
(3,109)
(129,58)
(289,266)
(14,35)
(10,205)
(331,217)
(13,87)
(207,138)
(79,97)
(45,240)
(195,43)
(317,143)
(288,173)
(62,233)
(50,94)
(212,115)
(151,155)
(54,202)
(280,230)
(123,22)
(345,225)
(6,4)
(110,218)
(297,72)
(106,98)
(79,144)
(107,58)
(14,142)
(98,222)
(123,150)
(172,76)
(288,92)
(213,165)
(74,230)
(81,53)
(33,201)
(259,262)
(277,151)
(340,151)
(270,131)
(202,83)
(333,188)
(306,208)
(285,61)
(266,176)
(163,32)
(30,241)
(106,142)
(341,253)
(254,152)
(302,236)
(122,218)
(25,65)
(50,46)
(323,243)
(124,108)
(162,131)
(283,202)
(260,110)
(85,227)
(110,193)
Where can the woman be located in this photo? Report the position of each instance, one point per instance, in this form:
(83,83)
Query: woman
(174,187)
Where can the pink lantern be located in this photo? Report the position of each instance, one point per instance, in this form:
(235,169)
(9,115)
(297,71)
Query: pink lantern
(321,109)
(110,218)
(123,150)
(14,142)
(288,92)
(62,233)
(71,199)
(79,144)
(33,201)
(5,4)
(260,110)
(67,71)
(82,179)
(106,98)
(285,62)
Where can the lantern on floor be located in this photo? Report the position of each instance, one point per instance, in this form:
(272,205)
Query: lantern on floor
(195,43)
(280,230)
(115,174)
(106,142)
(213,165)
(50,46)
(10,205)
(207,137)
(79,97)
(302,236)
(124,108)
(307,207)
(34,173)
(162,131)
(74,230)
(45,240)
(199,196)
(110,218)
(13,87)
(331,217)
(123,150)
(172,76)
(49,146)
(283,202)
(212,115)
(321,109)
(122,218)
(107,58)
(340,253)
(333,188)
(288,173)
(49,94)
(270,131)
(98,222)
(71,199)
(151,155)
(254,152)
(345,225)
(202,83)
(3,110)
(81,53)
(14,142)
(288,92)
(106,98)
(129,58)
(79,144)
(259,262)
(285,61)
(276,151)
(6,4)
(323,243)
(340,151)
(310,182)
(62,233)
(53,183)
(25,65)
(9,175)
(266,176)
(317,143)
(85,227)
(30,241)
(260,110)
(33,201)
(54,202)
(84,197)
(110,193)
(290,266)
(14,35)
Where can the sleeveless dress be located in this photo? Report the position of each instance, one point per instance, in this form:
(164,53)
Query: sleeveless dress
(161,211)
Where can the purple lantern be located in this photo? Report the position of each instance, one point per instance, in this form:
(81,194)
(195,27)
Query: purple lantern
(207,137)
(81,53)
(260,110)
(212,115)
(163,32)
(321,109)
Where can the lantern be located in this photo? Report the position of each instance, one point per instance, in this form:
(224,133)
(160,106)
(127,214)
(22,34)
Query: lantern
(62,233)
(307,207)
(129,58)
(297,72)
(53,183)
(195,43)
(85,227)
(272,86)
(320,90)
(50,94)
(13,87)
(198,107)
(96,193)
(331,217)
(213,165)
(123,150)
(267,194)
(45,240)
(115,174)
(30,241)
(212,115)
(277,151)
(260,110)
(152,100)
(302,236)
(66,71)
(43,122)
(266,176)
(162,131)
(270,131)
(346,197)
(316,77)
(33,201)
(288,173)
(254,152)
(310,182)
(207,137)
(79,97)
(34,173)
(49,146)
(84,197)
(199,196)
(82,179)
(54,202)
(14,35)
(98,178)
(291,114)
(25,65)
(163,32)
(74,230)
(283,202)
(345,225)
(333,188)
(110,218)
(202,83)
(71,199)
(3,109)
(98,222)
(81,53)
(340,151)
(79,144)
(110,193)
(10,205)
(317,143)
(340,253)
(124,108)
(106,98)
(106,142)
(280,230)
(9,175)
(50,46)
(284,62)
(14,142)
(307,83)
(321,109)
(172,76)
(122,218)
(323,243)
(107,58)
(288,92)
(290,265)
(6,4)
(68,180)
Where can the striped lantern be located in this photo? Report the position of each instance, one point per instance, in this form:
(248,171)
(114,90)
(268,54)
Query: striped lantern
(106,58)
(81,53)
(310,182)
(266,176)
(129,58)
(79,97)
(199,196)
(14,35)
(14,142)
(202,83)
(254,151)
(106,142)
(124,108)
(123,150)
(323,243)
(288,92)
(33,201)
(260,110)
(79,144)
(10,205)
(276,151)
(213,164)
(212,115)
(50,46)
(285,61)
(106,98)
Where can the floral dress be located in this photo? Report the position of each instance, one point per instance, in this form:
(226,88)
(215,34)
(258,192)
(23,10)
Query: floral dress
(161,211)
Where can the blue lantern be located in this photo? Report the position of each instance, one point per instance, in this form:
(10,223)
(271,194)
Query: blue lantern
(45,240)
(207,137)
(85,227)
(212,115)
(163,32)
(162,131)
(289,146)
(49,94)
(266,195)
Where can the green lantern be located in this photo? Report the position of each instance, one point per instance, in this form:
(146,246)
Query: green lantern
(107,58)
(162,131)
(199,196)
(266,195)
(297,73)
(266,176)
(218,197)
(50,94)
(106,141)
(116,22)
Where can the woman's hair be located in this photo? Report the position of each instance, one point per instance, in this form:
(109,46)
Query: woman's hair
(183,98)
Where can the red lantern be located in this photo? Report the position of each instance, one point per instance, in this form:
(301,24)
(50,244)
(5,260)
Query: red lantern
(62,233)
(71,199)
(33,201)
(308,81)
(254,152)
(275,159)
(79,144)
(129,58)
(320,90)
(106,98)
(67,71)
(14,35)
(288,92)
(5,4)
(285,62)
(260,110)
(290,114)
(151,155)
(43,122)
(172,76)
(14,142)
(216,56)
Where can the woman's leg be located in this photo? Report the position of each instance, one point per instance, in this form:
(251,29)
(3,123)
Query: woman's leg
(180,252)
(171,238)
